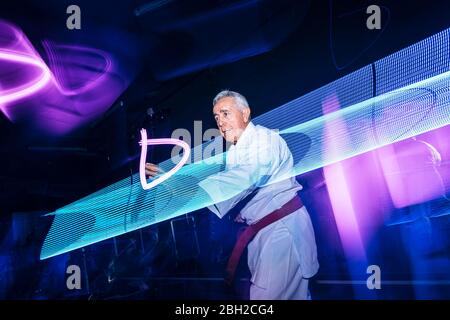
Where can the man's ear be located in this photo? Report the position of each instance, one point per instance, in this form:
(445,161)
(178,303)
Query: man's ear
(246,113)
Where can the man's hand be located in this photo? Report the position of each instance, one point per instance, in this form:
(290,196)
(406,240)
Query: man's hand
(152,170)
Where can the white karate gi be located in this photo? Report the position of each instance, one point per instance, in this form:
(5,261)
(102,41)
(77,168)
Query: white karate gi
(283,255)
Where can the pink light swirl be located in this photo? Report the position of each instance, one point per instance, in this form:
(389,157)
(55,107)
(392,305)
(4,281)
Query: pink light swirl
(144,142)
(30,87)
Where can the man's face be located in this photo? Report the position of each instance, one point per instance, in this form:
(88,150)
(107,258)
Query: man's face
(230,120)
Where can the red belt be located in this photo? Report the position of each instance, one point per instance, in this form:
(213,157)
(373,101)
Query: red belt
(247,235)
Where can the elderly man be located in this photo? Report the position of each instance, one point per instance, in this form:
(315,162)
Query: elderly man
(280,239)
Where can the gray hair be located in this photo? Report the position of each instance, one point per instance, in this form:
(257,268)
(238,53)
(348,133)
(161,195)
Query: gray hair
(241,102)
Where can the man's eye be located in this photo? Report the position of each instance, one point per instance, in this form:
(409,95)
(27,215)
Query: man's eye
(225,114)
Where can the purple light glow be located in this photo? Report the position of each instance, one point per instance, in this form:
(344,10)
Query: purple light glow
(357,190)
(12,39)
(144,142)
(84,77)
(79,85)
(417,170)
